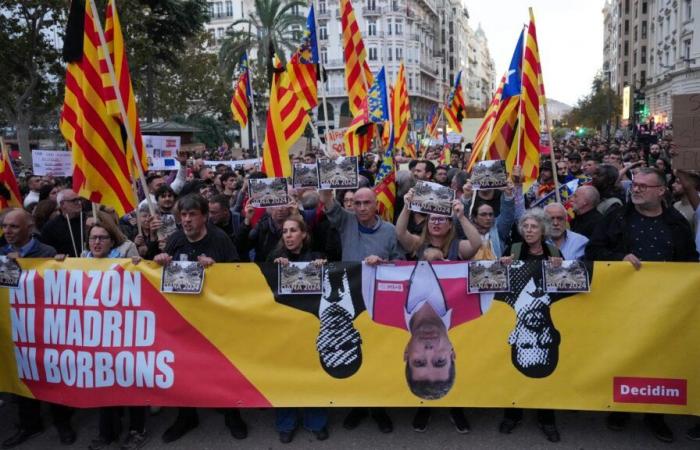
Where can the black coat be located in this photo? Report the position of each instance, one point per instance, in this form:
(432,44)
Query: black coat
(612,238)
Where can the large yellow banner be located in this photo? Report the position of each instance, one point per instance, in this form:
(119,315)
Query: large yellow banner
(100,332)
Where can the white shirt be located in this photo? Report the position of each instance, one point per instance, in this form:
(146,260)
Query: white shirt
(32,197)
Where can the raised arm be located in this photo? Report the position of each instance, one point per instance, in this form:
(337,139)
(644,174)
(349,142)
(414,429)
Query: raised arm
(410,242)
(469,246)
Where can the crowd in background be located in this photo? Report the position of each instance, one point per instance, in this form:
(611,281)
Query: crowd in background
(631,205)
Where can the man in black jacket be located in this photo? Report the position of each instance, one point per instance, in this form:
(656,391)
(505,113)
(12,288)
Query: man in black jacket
(65,232)
(644,230)
(206,244)
(17,226)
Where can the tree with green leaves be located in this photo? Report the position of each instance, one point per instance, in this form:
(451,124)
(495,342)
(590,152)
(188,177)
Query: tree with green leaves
(30,32)
(267,31)
(597,108)
(156,32)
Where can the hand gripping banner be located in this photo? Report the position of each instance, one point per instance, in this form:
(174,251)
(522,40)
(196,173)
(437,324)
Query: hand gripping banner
(99,332)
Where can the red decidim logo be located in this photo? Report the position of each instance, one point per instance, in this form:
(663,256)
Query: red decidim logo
(663,391)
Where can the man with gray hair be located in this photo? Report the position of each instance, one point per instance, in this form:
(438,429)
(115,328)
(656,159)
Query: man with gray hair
(65,232)
(643,230)
(585,201)
(572,245)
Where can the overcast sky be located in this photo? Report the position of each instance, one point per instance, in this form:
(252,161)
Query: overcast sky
(569,32)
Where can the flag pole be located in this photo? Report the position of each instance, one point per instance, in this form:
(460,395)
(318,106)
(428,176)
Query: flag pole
(520,103)
(253,120)
(322,89)
(122,109)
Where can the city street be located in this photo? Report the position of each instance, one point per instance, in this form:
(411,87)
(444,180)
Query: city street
(579,430)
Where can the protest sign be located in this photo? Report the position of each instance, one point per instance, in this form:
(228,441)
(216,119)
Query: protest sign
(236,164)
(334,140)
(162,151)
(432,198)
(686,132)
(267,192)
(56,163)
(97,332)
(339,173)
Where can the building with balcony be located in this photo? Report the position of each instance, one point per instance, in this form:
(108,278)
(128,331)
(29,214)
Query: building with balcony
(431,37)
(674,55)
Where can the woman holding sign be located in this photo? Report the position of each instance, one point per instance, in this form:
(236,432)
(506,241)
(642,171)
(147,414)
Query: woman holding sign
(103,242)
(439,234)
(295,246)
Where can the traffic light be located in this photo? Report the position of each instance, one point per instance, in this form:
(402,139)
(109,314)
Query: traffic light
(641,110)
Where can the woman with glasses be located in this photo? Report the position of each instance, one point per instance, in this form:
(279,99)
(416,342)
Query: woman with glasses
(438,241)
(120,246)
(440,233)
(104,239)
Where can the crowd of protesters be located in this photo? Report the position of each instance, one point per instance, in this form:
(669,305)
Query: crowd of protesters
(631,206)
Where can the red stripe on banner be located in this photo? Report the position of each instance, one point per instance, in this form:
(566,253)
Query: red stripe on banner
(294,126)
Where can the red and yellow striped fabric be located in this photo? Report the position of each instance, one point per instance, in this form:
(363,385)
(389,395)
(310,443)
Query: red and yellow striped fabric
(101,169)
(286,121)
(240,102)
(455,109)
(9,181)
(400,110)
(359,135)
(529,148)
(478,151)
(303,79)
(117,51)
(410,151)
(358,76)
(385,191)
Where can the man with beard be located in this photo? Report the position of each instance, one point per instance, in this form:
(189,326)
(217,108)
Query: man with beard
(643,230)
(206,244)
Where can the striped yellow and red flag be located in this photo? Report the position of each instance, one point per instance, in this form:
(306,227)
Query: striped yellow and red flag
(240,100)
(101,170)
(358,76)
(529,122)
(304,65)
(400,110)
(478,151)
(12,198)
(410,151)
(385,189)
(359,135)
(117,51)
(455,109)
(286,121)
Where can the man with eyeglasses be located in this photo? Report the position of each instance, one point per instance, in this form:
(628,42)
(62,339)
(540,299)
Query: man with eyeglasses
(66,232)
(643,230)
(571,244)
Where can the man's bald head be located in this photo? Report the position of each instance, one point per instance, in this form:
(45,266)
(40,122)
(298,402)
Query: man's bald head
(365,202)
(17,226)
(591,194)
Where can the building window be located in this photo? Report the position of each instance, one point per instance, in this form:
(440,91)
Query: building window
(688,9)
(644,7)
(634,59)
(686,49)
(643,78)
(644,55)
(323,33)
(410,82)
(398,27)
(229,8)
(322,7)
(644,29)
(371,28)
(324,56)
(371,5)
(390,54)
(627,27)
(625,70)
(634,34)
(627,48)
(399,53)
(372,54)
(388,26)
